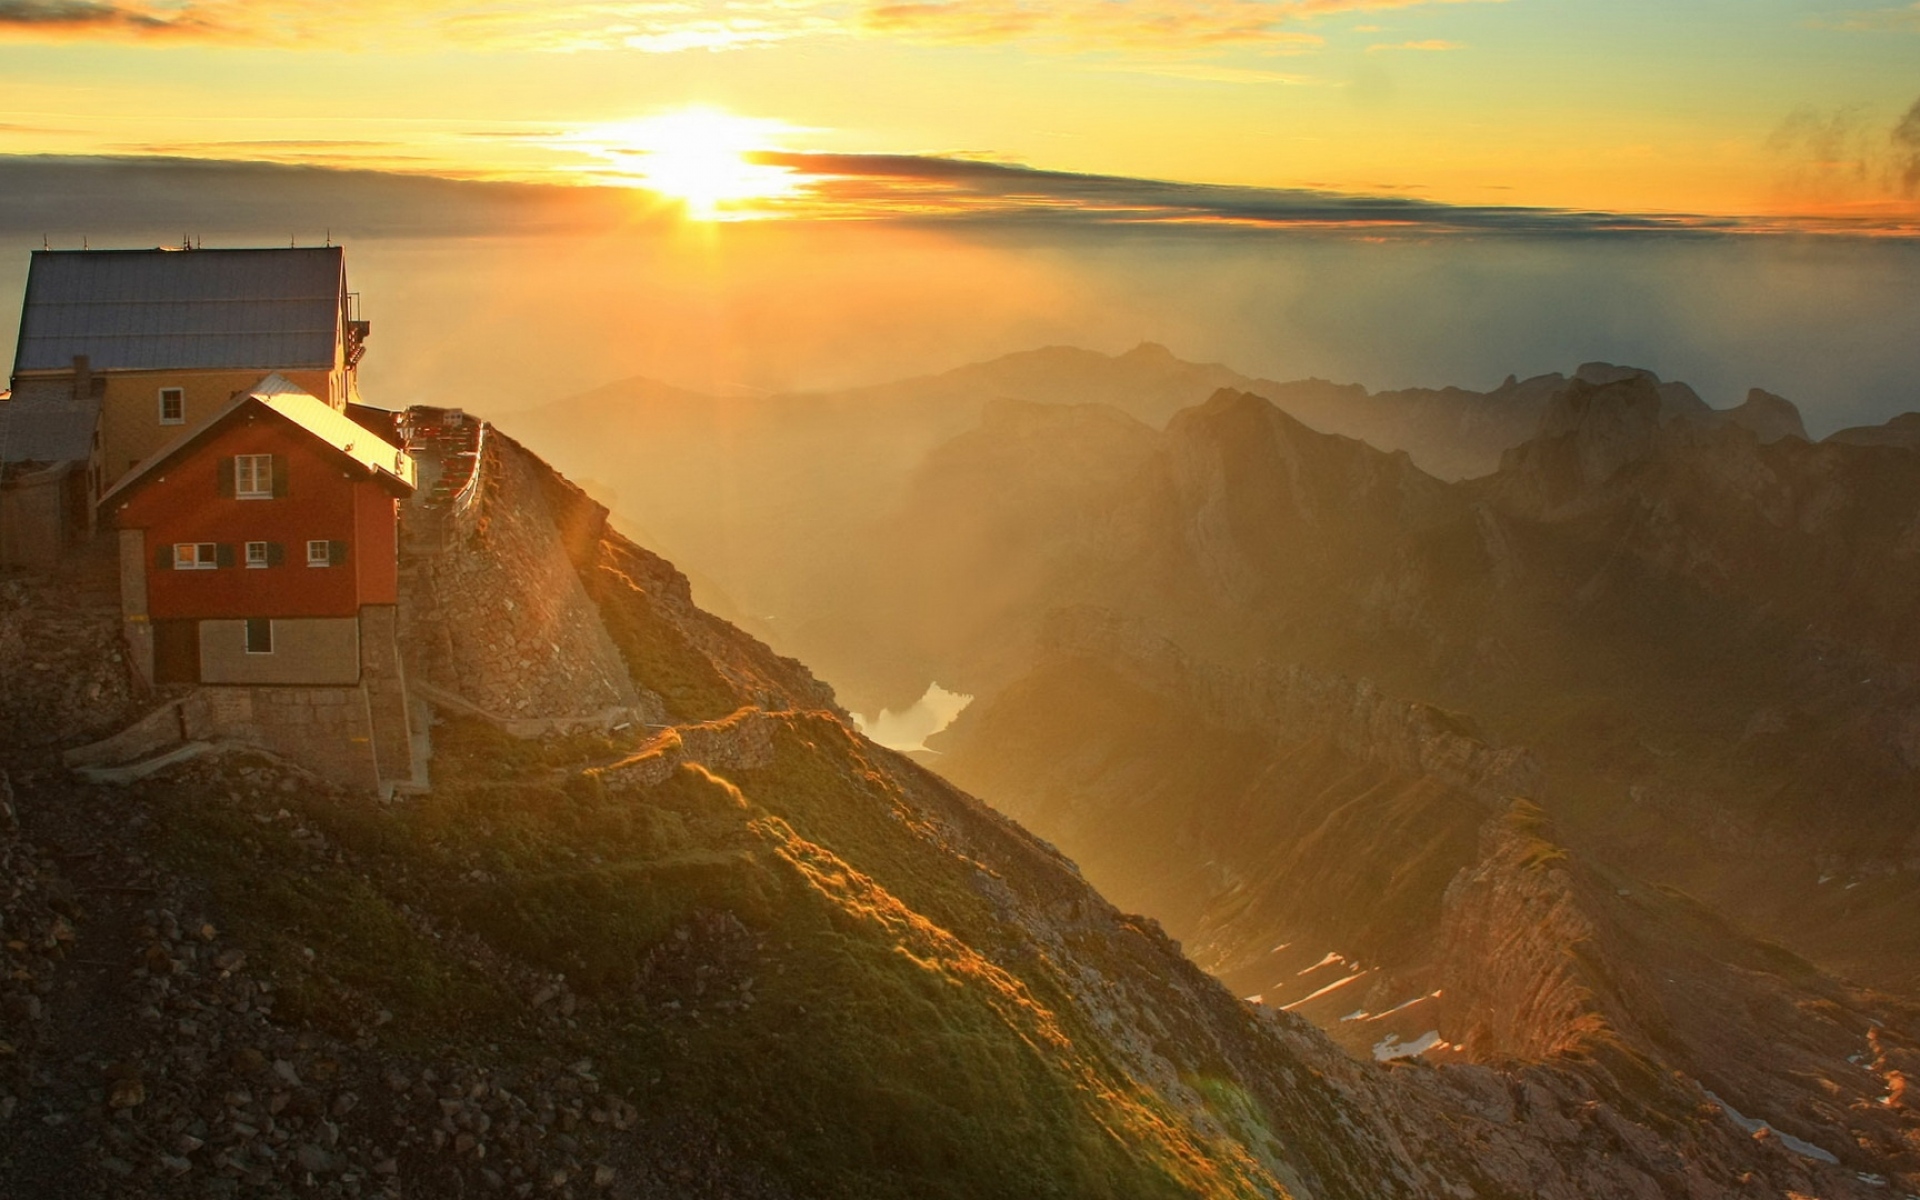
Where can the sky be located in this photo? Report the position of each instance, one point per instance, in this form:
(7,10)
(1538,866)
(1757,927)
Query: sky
(803,194)
(1748,108)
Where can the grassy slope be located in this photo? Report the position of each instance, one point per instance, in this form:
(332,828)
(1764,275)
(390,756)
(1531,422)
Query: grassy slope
(875,1052)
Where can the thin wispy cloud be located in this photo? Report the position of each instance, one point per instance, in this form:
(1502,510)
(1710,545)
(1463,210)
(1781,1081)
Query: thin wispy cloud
(1200,72)
(104,18)
(1434,44)
(968,191)
(1847,155)
(1094,24)
(1167,28)
(1904,18)
(1906,150)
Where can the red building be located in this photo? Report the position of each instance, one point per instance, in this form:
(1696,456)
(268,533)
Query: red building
(255,548)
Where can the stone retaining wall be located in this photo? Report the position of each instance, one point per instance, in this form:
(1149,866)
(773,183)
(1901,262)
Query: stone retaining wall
(527,641)
(327,730)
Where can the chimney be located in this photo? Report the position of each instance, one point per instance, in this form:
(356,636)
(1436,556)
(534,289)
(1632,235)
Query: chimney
(82,377)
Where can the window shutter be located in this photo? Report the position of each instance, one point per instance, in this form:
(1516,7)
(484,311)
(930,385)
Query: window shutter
(279,477)
(337,554)
(163,557)
(276,554)
(223,554)
(224,469)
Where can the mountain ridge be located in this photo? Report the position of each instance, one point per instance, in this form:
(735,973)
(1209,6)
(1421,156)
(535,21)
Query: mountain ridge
(650,962)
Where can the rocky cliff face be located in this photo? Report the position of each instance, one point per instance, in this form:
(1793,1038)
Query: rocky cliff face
(1707,635)
(1364,869)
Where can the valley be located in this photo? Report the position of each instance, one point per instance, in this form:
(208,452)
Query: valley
(1592,741)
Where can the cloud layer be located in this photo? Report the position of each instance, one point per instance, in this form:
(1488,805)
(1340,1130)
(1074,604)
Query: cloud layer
(67,197)
(942,189)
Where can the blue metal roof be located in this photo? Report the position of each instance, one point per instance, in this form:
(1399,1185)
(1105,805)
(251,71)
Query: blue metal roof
(182,309)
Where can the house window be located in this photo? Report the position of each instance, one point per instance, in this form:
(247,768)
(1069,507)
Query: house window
(319,553)
(253,476)
(257,554)
(259,635)
(195,556)
(173,406)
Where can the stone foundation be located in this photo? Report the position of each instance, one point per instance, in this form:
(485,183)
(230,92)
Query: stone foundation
(499,616)
(328,730)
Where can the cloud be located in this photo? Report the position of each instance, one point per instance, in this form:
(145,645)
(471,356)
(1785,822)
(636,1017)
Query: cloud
(1129,25)
(1906,149)
(1157,28)
(1202,72)
(1102,24)
(1846,155)
(1428,44)
(70,196)
(71,18)
(1876,20)
(942,189)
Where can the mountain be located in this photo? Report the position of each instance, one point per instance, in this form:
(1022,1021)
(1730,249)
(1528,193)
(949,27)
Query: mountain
(739,952)
(1903,430)
(1364,862)
(784,506)
(1705,638)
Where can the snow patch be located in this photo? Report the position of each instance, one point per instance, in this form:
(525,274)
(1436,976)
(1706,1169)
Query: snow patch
(1391,1047)
(1335,986)
(1749,1125)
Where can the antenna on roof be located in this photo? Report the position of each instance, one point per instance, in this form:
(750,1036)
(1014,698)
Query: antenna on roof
(289,241)
(43,242)
(83,242)
(329,238)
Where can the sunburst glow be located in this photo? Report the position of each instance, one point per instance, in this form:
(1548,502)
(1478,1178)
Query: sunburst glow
(699,157)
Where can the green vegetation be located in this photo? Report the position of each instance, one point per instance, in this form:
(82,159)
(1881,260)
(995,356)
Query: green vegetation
(657,654)
(839,1020)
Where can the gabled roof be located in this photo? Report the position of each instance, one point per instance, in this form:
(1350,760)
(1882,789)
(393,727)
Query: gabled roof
(387,464)
(182,309)
(44,422)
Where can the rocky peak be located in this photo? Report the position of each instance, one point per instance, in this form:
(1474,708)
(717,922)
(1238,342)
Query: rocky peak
(1678,401)
(1602,373)
(1903,430)
(1588,434)
(1770,417)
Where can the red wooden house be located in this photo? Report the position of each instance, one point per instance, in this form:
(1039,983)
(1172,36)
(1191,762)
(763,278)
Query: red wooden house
(255,548)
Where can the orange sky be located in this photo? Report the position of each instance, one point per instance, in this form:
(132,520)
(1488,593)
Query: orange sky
(1702,106)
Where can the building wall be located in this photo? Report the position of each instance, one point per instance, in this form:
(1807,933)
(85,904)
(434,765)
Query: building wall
(130,428)
(311,651)
(184,505)
(34,529)
(376,531)
(135,625)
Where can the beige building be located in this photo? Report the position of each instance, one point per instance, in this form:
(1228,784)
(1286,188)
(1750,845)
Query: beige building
(126,350)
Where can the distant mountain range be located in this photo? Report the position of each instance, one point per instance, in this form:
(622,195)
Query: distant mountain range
(1576,722)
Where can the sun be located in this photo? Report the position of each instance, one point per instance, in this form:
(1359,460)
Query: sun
(700,157)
